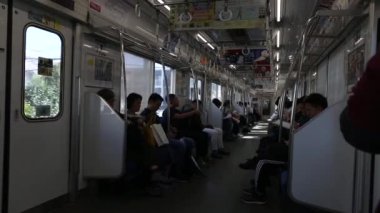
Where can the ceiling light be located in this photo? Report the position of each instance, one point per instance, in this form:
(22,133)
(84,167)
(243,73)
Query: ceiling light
(314,74)
(162,2)
(210,46)
(277,66)
(201,37)
(277,56)
(278,39)
(278,73)
(278,17)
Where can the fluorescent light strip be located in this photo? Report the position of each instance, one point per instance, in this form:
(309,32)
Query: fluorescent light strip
(201,37)
(277,56)
(162,2)
(277,66)
(278,18)
(278,39)
(212,47)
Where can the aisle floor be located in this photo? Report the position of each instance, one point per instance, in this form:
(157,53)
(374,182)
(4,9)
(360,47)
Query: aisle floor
(219,192)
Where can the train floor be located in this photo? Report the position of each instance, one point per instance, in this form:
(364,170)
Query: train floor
(219,192)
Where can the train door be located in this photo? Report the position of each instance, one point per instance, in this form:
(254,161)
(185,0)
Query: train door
(3,43)
(40,107)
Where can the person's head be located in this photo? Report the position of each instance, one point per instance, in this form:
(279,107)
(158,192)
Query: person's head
(314,104)
(173,100)
(134,102)
(217,102)
(155,101)
(107,95)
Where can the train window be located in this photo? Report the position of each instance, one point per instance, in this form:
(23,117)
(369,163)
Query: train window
(42,74)
(199,86)
(139,73)
(159,82)
(216,91)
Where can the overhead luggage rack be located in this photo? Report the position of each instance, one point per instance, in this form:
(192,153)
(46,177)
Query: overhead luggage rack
(325,31)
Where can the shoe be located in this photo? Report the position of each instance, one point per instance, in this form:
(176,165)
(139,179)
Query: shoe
(216,155)
(181,179)
(248,191)
(154,191)
(254,199)
(222,152)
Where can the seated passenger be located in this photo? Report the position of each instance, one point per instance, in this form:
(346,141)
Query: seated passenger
(180,150)
(216,134)
(142,152)
(314,104)
(178,121)
(230,121)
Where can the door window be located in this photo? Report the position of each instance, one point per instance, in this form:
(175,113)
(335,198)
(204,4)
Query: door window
(42,74)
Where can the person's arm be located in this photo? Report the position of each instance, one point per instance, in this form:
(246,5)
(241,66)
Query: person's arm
(185,114)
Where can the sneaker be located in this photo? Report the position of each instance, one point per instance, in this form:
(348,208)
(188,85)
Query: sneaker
(254,199)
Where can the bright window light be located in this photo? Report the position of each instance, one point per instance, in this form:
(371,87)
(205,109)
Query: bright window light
(278,17)
(201,37)
(212,47)
(278,39)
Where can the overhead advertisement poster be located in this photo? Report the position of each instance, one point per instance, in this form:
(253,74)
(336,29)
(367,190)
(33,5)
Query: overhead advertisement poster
(217,15)
(257,59)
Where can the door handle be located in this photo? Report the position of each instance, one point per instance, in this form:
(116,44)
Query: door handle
(16,114)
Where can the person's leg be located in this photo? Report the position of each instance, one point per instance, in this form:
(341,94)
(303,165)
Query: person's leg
(213,138)
(178,153)
(257,194)
(220,142)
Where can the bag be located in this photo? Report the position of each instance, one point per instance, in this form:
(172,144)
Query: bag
(362,139)
(159,135)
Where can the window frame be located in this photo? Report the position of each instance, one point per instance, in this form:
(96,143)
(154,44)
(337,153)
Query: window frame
(62,74)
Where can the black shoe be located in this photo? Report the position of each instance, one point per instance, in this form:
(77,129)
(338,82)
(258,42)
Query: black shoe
(222,152)
(216,155)
(254,199)
(248,191)
(153,191)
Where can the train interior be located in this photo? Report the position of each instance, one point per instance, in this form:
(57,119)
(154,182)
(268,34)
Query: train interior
(63,145)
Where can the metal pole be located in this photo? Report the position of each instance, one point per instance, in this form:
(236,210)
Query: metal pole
(122,62)
(280,113)
(167,89)
(195,87)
